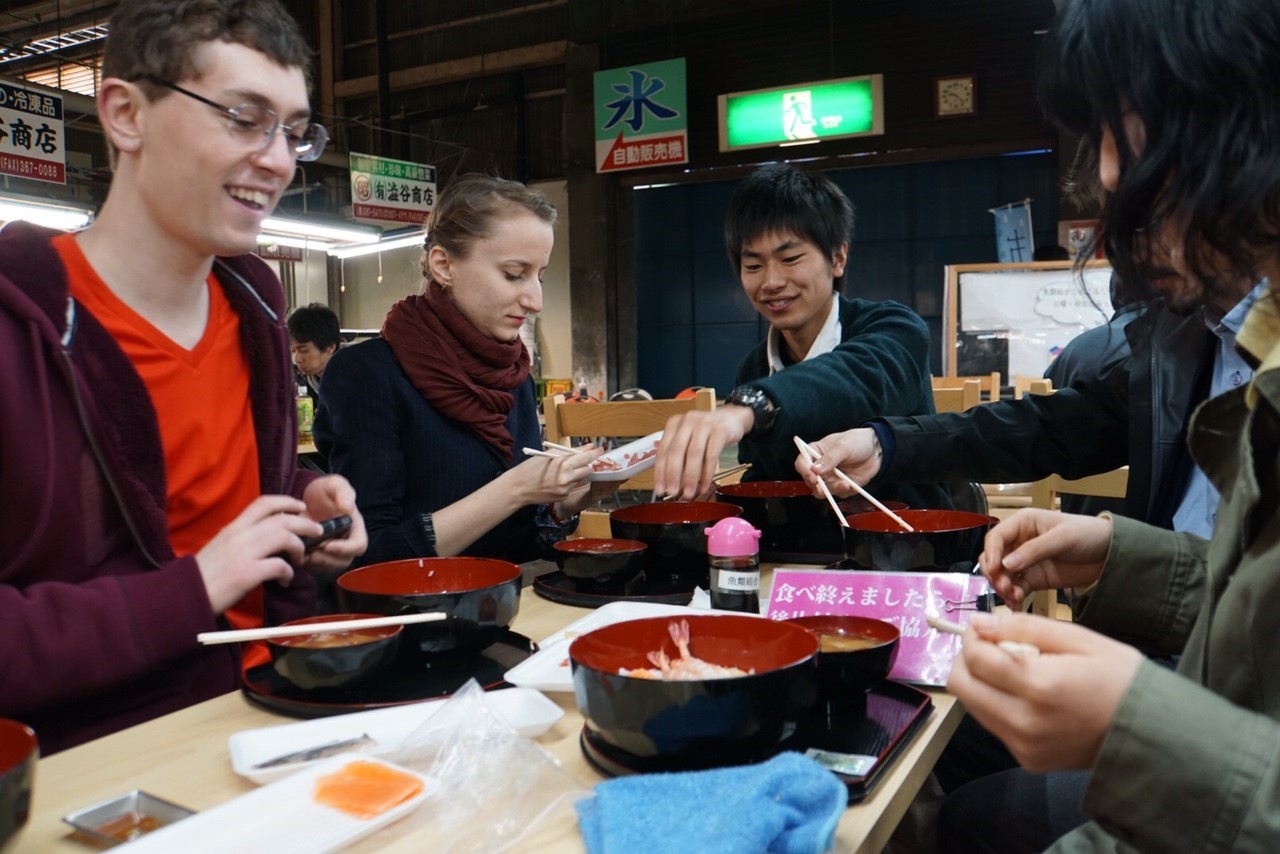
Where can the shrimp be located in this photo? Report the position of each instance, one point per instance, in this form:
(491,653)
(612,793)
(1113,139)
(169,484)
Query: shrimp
(684,668)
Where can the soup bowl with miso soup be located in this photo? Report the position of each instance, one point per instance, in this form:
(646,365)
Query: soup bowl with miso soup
(854,653)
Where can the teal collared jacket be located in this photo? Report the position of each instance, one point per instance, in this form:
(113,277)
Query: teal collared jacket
(1192,759)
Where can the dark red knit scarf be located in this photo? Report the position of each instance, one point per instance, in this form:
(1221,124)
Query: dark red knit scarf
(463,373)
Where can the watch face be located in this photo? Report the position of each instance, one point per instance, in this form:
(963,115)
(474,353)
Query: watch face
(955,96)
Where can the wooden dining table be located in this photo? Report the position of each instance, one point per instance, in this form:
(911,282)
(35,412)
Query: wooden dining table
(183,757)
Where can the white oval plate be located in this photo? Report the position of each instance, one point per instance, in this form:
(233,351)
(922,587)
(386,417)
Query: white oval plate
(628,461)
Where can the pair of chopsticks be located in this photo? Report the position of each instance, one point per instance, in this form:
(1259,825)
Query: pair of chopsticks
(552,450)
(810,455)
(241,635)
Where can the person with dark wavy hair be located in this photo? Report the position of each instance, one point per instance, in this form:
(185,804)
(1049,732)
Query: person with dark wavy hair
(1182,100)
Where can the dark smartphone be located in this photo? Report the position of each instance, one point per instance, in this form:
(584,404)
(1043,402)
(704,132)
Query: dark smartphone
(335,528)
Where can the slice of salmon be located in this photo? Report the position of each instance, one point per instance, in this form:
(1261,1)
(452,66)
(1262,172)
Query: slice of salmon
(366,789)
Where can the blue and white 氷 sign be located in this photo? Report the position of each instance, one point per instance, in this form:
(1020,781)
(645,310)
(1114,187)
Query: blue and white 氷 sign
(1014,243)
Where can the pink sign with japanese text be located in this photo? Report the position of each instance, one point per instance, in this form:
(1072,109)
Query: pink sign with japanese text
(902,598)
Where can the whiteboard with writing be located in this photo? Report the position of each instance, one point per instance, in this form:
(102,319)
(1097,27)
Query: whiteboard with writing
(905,599)
(1035,310)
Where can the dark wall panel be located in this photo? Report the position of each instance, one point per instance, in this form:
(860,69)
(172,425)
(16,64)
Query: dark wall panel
(696,324)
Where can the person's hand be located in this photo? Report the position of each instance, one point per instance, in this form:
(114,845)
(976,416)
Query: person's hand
(257,546)
(547,480)
(1044,550)
(1051,710)
(587,496)
(689,452)
(855,452)
(325,498)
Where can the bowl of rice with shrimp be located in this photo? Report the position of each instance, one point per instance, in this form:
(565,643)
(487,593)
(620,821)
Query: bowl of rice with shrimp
(696,691)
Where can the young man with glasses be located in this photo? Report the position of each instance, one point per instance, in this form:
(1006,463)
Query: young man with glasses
(147,448)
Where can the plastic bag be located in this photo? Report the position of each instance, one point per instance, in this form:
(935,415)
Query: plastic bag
(494,787)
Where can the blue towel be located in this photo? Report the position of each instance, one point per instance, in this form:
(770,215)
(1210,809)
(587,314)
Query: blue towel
(789,804)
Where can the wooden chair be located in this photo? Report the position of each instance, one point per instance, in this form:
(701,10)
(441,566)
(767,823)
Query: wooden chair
(967,395)
(618,420)
(1044,494)
(989,384)
(1031,385)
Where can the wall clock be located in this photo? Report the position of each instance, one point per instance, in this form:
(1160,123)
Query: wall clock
(954,96)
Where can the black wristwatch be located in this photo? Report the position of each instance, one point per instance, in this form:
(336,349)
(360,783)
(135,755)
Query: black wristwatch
(766,412)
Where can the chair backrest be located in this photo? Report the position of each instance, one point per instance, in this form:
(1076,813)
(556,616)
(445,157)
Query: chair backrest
(1031,385)
(966,396)
(620,419)
(988,384)
(1109,484)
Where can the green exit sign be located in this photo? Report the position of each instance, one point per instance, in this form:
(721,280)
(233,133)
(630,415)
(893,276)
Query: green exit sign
(805,112)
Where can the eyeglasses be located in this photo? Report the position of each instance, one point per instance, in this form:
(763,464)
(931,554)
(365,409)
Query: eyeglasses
(256,125)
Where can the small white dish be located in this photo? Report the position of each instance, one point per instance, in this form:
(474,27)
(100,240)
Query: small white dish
(527,711)
(282,817)
(628,461)
(549,670)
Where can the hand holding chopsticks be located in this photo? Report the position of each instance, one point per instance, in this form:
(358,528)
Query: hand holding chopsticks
(807,453)
(240,635)
(810,455)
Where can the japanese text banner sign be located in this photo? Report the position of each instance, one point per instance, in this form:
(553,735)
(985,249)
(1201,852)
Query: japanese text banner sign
(904,599)
(31,134)
(641,116)
(393,192)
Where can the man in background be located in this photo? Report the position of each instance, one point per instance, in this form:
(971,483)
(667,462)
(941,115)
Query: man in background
(314,336)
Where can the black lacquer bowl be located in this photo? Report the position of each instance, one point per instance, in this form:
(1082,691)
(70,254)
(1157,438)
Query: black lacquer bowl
(943,540)
(786,512)
(676,534)
(19,752)
(334,659)
(700,723)
(479,596)
(855,652)
(600,562)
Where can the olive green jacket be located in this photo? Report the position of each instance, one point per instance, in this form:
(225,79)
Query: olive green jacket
(1184,768)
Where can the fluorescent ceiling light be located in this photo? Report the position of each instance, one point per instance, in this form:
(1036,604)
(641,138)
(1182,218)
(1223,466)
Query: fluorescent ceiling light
(295,242)
(58,216)
(402,242)
(350,233)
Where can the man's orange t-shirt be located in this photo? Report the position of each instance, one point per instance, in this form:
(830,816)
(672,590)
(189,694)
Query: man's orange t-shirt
(201,398)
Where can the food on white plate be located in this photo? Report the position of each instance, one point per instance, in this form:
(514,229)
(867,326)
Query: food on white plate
(366,789)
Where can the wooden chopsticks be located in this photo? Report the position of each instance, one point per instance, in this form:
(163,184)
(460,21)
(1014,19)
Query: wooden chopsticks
(241,635)
(810,455)
(807,453)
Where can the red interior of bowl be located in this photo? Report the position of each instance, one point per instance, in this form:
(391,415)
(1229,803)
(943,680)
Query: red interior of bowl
(765,489)
(429,575)
(17,742)
(842,625)
(858,504)
(924,521)
(599,546)
(749,643)
(379,632)
(676,512)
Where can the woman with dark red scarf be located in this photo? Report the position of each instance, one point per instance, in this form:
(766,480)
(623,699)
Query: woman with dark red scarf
(427,420)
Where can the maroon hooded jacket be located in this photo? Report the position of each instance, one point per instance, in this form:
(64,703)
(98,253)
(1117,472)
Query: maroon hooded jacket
(98,617)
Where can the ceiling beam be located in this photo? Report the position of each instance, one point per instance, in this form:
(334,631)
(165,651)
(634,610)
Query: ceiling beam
(498,62)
